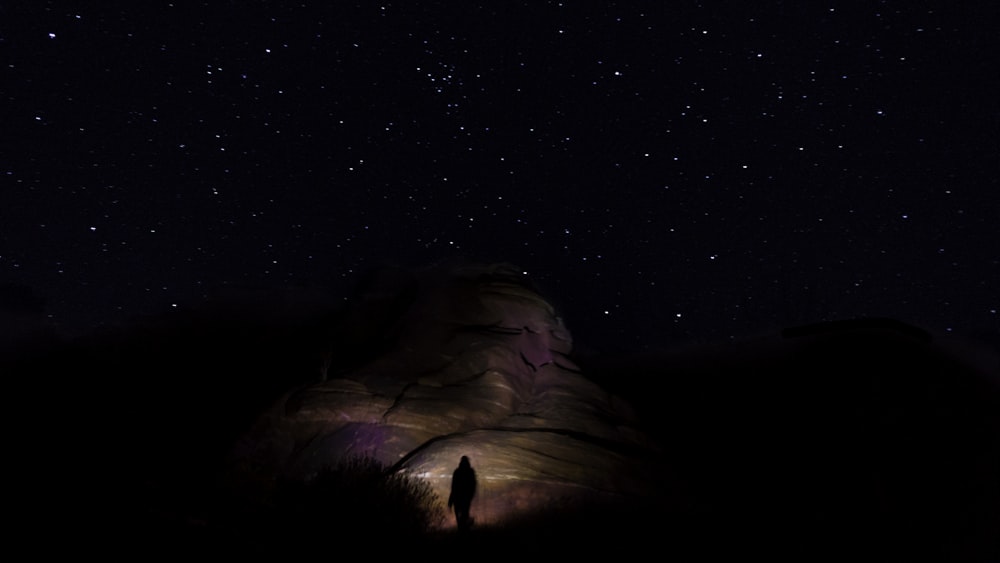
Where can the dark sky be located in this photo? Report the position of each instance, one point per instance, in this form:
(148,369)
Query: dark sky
(665,171)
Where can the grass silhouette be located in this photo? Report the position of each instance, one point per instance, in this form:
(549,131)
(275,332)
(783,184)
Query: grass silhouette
(357,497)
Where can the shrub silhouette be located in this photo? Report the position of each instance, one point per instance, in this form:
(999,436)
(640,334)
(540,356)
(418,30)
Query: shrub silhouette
(358,498)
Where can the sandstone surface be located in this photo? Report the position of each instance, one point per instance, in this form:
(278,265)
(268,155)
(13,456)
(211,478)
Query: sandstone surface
(475,363)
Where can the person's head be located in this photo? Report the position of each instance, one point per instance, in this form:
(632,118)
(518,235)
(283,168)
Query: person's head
(464,462)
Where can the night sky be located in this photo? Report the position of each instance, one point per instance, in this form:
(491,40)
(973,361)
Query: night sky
(666,172)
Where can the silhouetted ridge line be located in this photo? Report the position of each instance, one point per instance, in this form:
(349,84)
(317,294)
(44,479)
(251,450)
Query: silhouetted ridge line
(857,324)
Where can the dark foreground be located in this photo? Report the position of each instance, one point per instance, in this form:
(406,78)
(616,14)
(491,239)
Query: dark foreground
(869,440)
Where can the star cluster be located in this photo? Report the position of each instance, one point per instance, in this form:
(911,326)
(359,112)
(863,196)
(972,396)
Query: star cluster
(665,172)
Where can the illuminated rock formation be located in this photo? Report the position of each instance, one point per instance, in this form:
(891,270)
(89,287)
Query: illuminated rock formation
(474,362)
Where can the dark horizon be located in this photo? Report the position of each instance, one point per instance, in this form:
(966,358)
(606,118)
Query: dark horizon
(24,315)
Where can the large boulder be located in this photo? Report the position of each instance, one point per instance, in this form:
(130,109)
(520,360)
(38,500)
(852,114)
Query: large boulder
(471,361)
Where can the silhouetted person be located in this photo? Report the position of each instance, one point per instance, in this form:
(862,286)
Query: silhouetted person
(463,488)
